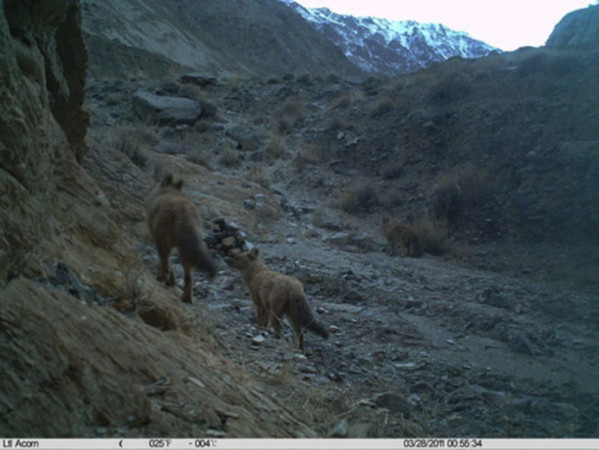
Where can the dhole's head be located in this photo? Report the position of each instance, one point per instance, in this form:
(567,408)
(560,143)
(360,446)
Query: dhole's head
(169,183)
(385,220)
(243,260)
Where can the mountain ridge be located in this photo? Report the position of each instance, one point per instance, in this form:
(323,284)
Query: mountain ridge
(225,37)
(386,46)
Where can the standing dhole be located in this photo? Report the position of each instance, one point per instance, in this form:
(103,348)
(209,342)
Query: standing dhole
(276,295)
(174,221)
(403,235)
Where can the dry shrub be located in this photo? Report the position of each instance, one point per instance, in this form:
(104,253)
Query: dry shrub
(381,106)
(229,157)
(432,234)
(134,141)
(275,145)
(291,112)
(348,99)
(465,187)
(259,176)
(192,92)
(361,199)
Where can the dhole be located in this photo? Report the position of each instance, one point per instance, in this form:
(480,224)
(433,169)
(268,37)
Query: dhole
(276,295)
(403,235)
(174,221)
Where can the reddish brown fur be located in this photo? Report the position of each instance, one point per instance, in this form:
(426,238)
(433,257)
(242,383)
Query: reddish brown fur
(174,221)
(403,235)
(276,295)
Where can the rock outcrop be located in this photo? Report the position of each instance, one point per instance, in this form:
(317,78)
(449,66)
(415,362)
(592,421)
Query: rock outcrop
(578,30)
(41,123)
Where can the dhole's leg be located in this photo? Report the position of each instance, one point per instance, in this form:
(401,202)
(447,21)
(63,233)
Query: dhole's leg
(275,322)
(299,332)
(186,297)
(165,273)
(262,316)
(299,336)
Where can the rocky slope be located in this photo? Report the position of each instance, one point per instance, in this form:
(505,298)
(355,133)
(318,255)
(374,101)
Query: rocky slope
(383,46)
(72,364)
(578,30)
(229,37)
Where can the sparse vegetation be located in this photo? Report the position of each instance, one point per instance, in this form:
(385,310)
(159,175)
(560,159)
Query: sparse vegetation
(361,199)
(209,105)
(260,176)
(382,105)
(432,234)
(134,141)
(291,112)
(229,157)
(465,187)
(275,145)
(348,99)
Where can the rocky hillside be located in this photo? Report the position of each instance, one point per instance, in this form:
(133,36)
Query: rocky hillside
(224,37)
(383,46)
(578,30)
(74,362)
(493,162)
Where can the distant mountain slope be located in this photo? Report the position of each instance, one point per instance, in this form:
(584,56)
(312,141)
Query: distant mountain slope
(380,45)
(260,37)
(578,30)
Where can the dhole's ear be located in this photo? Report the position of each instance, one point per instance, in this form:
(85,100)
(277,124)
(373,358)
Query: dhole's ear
(179,184)
(253,254)
(167,181)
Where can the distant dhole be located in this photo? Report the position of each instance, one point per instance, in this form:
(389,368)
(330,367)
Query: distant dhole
(174,221)
(276,295)
(403,235)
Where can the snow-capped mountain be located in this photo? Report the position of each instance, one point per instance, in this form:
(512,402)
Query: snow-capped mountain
(381,45)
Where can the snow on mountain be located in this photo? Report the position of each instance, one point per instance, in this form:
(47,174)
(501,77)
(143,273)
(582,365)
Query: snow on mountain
(381,45)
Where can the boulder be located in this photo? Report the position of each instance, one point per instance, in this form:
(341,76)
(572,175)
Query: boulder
(165,110)
(198,79)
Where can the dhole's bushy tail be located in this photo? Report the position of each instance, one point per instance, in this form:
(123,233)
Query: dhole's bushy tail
(193,250)
(307,318)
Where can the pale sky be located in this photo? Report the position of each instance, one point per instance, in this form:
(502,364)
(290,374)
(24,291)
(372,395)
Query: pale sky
(506,24)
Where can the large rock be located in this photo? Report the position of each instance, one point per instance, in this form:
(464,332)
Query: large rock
(578,30)
(166,110)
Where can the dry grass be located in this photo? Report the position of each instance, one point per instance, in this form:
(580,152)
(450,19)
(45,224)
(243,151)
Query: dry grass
(229,157)
(260,176)
(209,105)
(465,187)
(290,114)
(361,199)
(134,142)
(432,234)
(381,106)
(275,145)
(348,99)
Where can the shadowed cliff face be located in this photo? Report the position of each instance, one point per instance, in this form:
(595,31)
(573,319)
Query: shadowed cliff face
(42,124)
